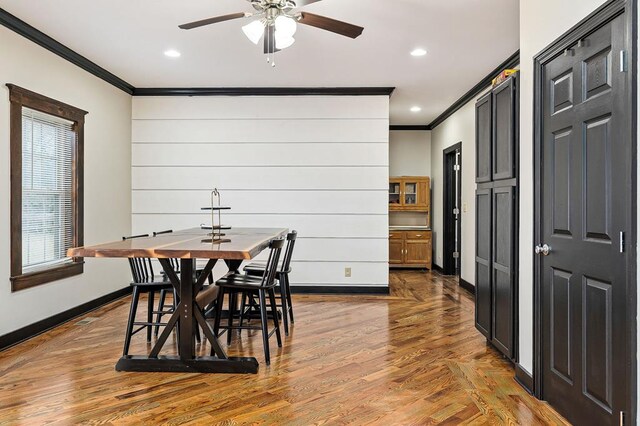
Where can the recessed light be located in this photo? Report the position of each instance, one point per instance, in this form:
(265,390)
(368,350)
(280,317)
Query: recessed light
(416,109)
(172,53)
(418,52)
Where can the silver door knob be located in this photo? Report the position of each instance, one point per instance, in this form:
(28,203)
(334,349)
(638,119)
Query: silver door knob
(543,250)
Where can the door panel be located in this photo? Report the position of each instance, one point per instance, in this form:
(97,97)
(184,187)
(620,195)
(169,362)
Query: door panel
(417,252)
(562,182)
(584,172)
(396,251)
(483,139)
(483,261)
(423,190)
(503,307)
(503,149)
(561,336)
(596,326)
(597,190)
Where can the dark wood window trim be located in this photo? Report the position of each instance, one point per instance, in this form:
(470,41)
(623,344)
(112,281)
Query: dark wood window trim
(19,98)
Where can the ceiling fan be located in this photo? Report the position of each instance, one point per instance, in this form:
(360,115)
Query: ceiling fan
(276,21)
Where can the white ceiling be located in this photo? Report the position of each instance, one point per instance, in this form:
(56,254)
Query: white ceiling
(465,40)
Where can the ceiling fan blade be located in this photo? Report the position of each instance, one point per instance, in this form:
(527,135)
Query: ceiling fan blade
(333,25)
(214,20)
(270,39)
(300,3)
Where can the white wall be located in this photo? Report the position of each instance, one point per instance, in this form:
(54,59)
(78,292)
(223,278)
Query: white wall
(319,165)
(538,29)
(409,153)
(460,127)
(107,177)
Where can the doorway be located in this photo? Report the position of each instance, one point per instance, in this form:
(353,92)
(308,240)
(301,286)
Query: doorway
(452,205)
(585,220)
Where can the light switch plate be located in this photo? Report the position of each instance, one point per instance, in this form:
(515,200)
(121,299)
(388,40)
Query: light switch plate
(347,272)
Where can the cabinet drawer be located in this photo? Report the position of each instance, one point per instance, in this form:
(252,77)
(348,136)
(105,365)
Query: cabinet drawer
(418,235)
(395,235)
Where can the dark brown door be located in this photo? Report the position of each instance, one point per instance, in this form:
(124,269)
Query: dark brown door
(503,269)
(584,206)
(503,149)
(483,138)
(484,226)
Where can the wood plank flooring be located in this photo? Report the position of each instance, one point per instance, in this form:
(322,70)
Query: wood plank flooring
(410,358)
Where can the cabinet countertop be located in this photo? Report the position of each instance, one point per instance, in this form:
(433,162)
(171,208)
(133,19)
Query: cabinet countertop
(409,228)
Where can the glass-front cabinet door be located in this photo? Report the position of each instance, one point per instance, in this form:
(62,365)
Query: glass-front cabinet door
(395,194)
(410,193)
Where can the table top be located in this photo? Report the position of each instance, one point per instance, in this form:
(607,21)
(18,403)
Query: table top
(246,243)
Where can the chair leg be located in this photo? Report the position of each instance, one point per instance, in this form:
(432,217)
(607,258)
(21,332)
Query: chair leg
(285,308)
(288,291)
(242,308)
(150,297)
(132,317)
(265,325)
(253,307)
(161,302)
(219,302)
(274,310)
(232,308)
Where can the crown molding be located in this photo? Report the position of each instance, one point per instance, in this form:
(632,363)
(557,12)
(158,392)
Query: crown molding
(510,62)
(410,127)
(27,31)
(264,91)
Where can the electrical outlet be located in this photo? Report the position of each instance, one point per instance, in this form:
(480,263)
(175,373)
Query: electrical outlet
(465,207)
(347,272)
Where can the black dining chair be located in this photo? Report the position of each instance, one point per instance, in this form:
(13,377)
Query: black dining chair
(175,263)
(234,284)
(257,269)
(144,281)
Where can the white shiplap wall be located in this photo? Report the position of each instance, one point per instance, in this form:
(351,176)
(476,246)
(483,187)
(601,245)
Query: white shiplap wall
(318,165)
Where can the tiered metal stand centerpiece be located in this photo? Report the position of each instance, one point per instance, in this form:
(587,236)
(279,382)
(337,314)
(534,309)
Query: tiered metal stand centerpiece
(216,229)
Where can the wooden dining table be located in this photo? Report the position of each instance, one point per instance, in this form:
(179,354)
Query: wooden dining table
(188,245)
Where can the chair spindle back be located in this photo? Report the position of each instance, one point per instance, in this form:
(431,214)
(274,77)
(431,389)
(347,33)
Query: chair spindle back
(269,277)
(141,267)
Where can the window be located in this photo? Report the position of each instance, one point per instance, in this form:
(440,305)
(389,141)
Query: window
(46,188)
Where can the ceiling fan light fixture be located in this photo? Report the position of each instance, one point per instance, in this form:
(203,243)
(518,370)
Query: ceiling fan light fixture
(282,42)
(254,31)
(286,25)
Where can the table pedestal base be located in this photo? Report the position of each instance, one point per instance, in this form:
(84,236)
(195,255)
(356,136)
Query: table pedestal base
(173,364)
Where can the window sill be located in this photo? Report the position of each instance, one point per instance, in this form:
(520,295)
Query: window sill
(24,281)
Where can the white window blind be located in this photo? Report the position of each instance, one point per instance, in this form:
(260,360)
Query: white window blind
(48,144)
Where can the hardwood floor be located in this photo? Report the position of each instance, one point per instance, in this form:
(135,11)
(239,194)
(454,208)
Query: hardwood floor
(411,358)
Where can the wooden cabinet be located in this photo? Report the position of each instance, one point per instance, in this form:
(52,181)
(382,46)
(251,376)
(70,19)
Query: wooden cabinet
(409,193)
(496,262)
(396,251)
(410,248)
